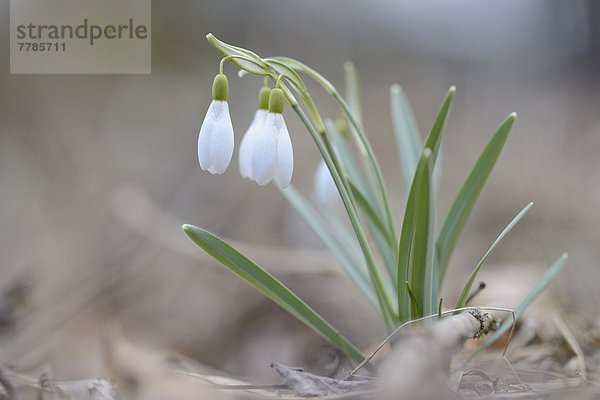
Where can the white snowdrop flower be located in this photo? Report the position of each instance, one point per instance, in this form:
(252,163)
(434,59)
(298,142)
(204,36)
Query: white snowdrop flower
(255,128)
(272,154)
(215,141)
(325,189)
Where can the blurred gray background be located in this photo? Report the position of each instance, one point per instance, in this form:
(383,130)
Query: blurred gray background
(98,172)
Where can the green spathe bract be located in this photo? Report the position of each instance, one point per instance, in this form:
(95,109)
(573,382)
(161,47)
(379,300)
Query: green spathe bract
(401,276)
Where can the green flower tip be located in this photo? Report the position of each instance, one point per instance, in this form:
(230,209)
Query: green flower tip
(276,101)
(349,66)
(452,89)
(186,228)
(512,116)
(263,98)
(220,89)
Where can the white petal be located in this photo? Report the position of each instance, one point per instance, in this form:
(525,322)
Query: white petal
(285,154)
(204,138)
(221,143)
(247,145)
(264,155)
(245,155)
(325,188)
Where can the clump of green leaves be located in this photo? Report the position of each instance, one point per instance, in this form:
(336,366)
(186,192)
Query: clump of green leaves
(400,269)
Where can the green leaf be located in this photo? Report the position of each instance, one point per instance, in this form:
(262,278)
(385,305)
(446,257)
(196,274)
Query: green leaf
(465,200)
(462,299)
(364,196)
(414,253)
(389,256)
(265,283)
(353,268)
(434,139)
(405,246)
(351,246)
(372,215)
(406,133)
(348,160)
(353,100)
(353,90)
(324,145)
(358,182)
(381,236)
(369,157)
(539,287)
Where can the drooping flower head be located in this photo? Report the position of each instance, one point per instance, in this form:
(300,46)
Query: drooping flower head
(272,154)
(215,141)
(257,125)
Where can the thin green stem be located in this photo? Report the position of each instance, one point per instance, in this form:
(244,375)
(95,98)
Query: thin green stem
(330,159)
(373,160)
(315,115)
(277,82)
(349,204)
(359,129)
(329,88)
(319,136)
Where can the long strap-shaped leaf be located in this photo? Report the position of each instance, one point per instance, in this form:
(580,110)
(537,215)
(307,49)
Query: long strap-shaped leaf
(406,133)
(372,216)
(364,194)
(464,295)
(353,92)
(413,257)
(466,198)
(268,285)
(408,223)
(419,254)
(350,164)
(434,139)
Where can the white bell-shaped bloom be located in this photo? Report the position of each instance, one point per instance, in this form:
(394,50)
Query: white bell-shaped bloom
(325,189)
(272,154)
(215,142)
(247,144)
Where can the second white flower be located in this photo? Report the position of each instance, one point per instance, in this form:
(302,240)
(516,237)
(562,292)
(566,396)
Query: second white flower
(272,153)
